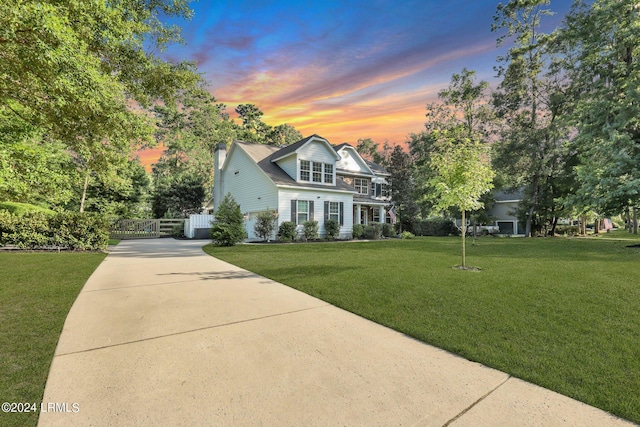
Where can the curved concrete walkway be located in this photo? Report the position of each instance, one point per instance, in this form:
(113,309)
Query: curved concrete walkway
(163,334)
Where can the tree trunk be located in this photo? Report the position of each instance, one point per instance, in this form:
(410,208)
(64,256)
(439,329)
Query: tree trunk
(534,195)
(635,220)
(629,228)
(464,231)
(84,192)
(596,226)
(553,226)
(583,225)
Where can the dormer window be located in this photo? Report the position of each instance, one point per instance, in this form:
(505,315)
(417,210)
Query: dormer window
(328,173)
(317,172)
(305,170)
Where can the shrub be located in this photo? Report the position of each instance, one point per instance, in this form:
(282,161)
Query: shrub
(177,230)
(437,227)
(388,230)
(567,230)
(373,231)
(332,227)
(407,235)
(265,224)
(358,231)
(18,208)
(287,231)
(310,230)
(228,227)
(69,230)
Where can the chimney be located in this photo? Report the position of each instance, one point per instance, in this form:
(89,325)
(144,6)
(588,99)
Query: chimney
(219,156)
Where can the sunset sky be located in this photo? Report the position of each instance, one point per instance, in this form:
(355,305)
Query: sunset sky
(342,69)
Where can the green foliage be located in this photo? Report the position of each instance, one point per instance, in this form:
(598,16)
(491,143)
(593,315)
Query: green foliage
(310,230)
(358,231)
(287,232)
(228,227)
(402,183)
(181,196)
(332,227)
(372,231)
(567,230)
(600,44)
(388,230)
(437,227)
(66,230)
(18,208)
(265,224)
(407,235)
(463,173)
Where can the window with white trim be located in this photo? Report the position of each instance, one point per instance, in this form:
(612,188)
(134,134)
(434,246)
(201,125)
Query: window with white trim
(328,173)
(317,172)
(305,170)
(303,211)
(361,185)
(334,211)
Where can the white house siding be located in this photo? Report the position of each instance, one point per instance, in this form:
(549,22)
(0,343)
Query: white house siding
(290,166)
(253,191)
(317,152)
(319,197)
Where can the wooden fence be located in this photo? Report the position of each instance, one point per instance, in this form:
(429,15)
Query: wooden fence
(143,228)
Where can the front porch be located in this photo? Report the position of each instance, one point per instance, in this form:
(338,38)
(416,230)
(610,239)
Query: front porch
(370,211)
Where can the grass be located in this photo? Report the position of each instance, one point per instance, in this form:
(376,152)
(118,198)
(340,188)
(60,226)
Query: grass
(36,292)
(561,313)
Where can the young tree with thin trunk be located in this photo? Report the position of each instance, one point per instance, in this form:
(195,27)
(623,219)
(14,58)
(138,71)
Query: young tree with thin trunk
(462,175)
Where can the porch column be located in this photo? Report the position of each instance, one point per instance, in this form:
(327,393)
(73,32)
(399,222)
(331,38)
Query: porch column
(358,210)
(382,215)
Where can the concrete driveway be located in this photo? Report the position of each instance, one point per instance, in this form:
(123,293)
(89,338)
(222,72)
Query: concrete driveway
(163,334)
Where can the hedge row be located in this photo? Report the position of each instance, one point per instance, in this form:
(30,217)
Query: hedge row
(62,230)
(436,227)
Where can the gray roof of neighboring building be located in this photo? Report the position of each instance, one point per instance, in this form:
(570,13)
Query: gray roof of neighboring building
(263,156)
(508,194)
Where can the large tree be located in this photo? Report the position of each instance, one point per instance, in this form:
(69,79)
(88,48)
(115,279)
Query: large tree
(461,111)
(531,147)
(601,46)
(402,188)
(81,71)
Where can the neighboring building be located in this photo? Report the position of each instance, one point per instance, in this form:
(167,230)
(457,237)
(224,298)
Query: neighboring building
(504,212)
(305,181)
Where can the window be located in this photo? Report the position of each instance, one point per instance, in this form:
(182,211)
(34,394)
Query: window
(317,172)
(305,168)
(362,185)
(328,173)
(301,211)
(381,190)
(335,211)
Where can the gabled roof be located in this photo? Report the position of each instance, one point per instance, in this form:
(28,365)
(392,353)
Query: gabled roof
(375,168)
(295,147)
(264,155)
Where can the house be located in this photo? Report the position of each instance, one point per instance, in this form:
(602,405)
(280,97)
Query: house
(504,212)
(305,181)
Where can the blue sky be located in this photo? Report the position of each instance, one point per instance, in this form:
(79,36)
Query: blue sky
(341,69)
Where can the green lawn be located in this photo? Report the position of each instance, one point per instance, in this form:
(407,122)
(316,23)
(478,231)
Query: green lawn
(561,313)
(36,293)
